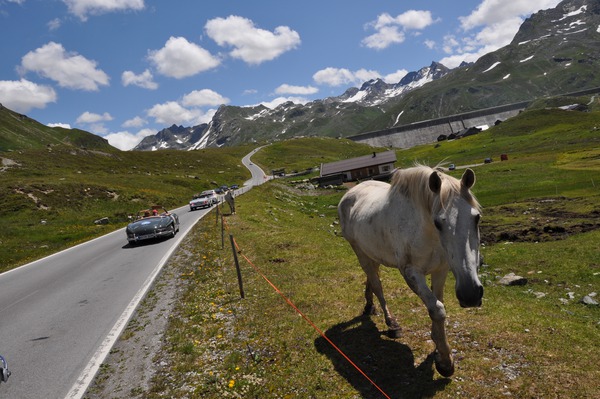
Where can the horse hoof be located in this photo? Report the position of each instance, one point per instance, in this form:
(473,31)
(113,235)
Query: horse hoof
(444,370)
(395,332)
(370,310)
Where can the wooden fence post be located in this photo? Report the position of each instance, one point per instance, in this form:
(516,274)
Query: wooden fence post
(222,233)
(217,215)
(237,266)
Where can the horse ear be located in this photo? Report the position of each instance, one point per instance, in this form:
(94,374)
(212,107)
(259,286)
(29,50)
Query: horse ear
(468,178)
(435,182)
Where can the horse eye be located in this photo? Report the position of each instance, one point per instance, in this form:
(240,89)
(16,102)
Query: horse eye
(438,224)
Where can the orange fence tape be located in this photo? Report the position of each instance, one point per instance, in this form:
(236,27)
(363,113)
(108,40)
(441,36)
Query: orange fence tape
(309,321)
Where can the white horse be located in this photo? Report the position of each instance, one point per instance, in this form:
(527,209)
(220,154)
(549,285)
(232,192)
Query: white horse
(424,222)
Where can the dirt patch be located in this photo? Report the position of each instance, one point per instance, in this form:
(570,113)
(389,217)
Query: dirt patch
(544,219)
(7,163)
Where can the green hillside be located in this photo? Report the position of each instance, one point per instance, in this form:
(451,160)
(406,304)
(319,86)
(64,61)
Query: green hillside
(19,132)
(50,195)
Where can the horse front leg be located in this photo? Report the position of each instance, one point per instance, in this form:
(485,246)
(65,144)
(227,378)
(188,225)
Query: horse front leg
(437,312)
(438,279)
(369,306)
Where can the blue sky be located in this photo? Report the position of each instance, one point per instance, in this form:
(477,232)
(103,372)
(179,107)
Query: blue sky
(125,69)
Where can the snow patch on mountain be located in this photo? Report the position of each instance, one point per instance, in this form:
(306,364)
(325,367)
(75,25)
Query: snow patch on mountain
(257,115)
(494,65)
(359,96)
(581,10)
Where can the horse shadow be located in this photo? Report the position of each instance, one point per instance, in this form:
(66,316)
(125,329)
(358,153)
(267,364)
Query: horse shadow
(389,364)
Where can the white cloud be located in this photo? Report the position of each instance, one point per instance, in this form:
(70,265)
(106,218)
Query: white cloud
(497,22)
(23,95)
(364,75)
(94,122)
(204,97)
(173,113)
(454,61)
(58,124)
(251,44)
(450,43)
(392,30)
(144,80)
(500,33)
(69,70)
(206,117)
(98,128)
(134,122)
(334,76)
(180,59)
(395,77)
(430,44)
(384,37)
(90,117)
(54,24)
(280,100)
(83,8)
(415,19)
(342,76)
(300,90)
(491,12)
(125,140)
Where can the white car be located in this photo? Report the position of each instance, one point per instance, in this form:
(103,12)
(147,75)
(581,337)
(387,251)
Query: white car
(205,199)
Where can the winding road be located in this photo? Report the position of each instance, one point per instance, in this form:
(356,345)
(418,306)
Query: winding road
(61,315)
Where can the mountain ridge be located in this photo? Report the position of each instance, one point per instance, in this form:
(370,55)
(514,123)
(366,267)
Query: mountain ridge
(233,125)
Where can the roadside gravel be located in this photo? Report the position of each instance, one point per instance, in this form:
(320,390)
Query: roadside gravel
(135,358)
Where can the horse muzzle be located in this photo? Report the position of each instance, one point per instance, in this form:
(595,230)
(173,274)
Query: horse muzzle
(470,298)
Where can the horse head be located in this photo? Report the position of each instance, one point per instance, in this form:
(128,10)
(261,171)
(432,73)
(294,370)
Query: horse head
(456,219)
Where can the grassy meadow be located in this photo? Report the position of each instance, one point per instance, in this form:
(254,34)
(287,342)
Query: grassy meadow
(541,220)
(51,196)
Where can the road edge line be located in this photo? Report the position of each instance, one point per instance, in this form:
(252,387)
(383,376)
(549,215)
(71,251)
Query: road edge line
(89,372)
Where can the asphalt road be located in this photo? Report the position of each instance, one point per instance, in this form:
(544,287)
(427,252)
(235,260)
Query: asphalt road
(60,316)
(258,175)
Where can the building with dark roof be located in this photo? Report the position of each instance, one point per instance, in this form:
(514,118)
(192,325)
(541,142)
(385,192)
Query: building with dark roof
(371,166)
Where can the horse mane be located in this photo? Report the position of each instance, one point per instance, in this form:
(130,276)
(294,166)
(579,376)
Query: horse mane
(414,183)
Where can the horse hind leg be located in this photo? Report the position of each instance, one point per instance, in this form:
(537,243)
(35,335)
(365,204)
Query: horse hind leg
(373,286)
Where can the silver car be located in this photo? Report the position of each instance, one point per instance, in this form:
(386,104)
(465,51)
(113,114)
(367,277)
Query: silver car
(205,199)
